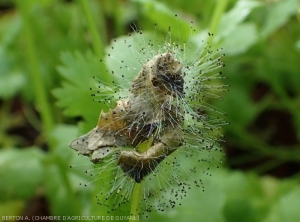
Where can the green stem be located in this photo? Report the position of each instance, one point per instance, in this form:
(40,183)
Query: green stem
(137,190)
(36,76)
(284,97)
(246,140)
(39,89)
(268,165)
(96,38)
(119,28)
(136,198)
(216,18)
(97,41)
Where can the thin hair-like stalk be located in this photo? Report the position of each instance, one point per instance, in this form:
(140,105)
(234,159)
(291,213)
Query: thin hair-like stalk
(136,199)
(137,193)
(216,18)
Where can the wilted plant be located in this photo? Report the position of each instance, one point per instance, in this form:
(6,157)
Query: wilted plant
(160,127)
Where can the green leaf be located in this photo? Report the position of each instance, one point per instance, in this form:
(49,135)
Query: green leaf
(237,97)
(240,185)
(126,48)
(10,83)
(297,44)
(235,211)
(278,14)
(241,39)
(12,79)
(198,205)
(160,14)
(60,196)
(287,208)
(11,208)
(21,172)
(235,16)
(75,95)
(63,135)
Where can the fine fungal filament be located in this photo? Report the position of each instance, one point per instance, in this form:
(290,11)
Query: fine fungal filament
(153,112)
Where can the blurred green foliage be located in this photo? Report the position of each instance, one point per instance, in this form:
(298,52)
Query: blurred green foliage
(49,51)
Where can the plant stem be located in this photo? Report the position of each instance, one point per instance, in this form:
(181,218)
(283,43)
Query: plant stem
(97,41)
(137,190)
(36,76)
(216,18)
(119,28)
(136,198)
(246,140)
(96,38)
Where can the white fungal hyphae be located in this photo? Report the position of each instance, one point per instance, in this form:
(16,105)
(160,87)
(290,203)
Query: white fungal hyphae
(160,127)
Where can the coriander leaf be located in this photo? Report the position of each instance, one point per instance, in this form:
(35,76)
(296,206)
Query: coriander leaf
(75,95)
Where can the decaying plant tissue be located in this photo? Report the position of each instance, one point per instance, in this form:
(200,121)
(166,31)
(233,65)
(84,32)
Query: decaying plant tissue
(160,118)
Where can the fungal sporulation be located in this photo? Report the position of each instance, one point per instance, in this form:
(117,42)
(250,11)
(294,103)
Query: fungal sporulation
(151,112)
(161,129)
